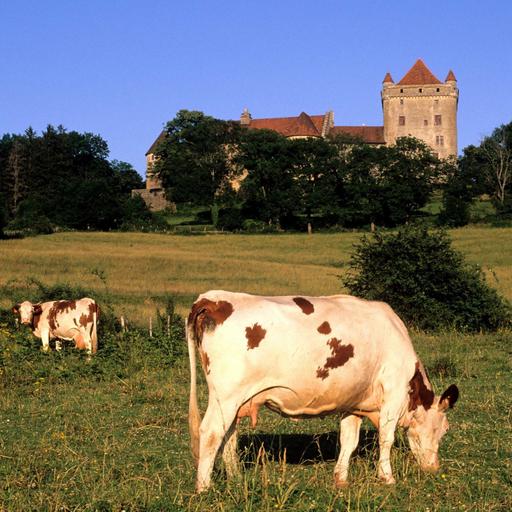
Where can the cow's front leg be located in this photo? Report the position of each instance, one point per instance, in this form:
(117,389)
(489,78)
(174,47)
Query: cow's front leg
(217,420)
(349,438)
(45,338)
(229,452)
(387,426)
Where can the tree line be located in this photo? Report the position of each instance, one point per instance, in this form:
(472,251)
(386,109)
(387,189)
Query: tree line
(248,176)
(64,179)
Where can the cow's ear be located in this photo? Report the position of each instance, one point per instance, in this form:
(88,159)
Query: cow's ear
(37,309)
(449,397)
(16,308)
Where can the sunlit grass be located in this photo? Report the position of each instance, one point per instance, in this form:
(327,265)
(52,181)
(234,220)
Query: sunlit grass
(141,268)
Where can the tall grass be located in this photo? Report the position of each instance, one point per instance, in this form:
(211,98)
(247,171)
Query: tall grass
(142,269)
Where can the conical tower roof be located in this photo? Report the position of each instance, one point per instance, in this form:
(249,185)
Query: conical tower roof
(450,77)
(388,79)
(419,74)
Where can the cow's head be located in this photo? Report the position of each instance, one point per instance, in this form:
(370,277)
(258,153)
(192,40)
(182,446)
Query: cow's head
(428,426)
(26,310)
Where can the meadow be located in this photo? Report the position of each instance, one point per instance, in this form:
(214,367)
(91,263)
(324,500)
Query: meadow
(111,434)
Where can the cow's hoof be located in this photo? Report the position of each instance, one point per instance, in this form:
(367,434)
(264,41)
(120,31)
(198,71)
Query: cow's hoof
(340,483)
(388,480)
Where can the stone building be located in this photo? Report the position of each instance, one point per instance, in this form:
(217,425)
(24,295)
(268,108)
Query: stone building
(154,193)
(419,105)
(422,106)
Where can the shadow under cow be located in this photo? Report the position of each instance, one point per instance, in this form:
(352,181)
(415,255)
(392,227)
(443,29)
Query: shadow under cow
(302,448)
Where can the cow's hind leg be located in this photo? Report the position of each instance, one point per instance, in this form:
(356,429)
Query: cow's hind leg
(349,438)
(217,421)
(229,452)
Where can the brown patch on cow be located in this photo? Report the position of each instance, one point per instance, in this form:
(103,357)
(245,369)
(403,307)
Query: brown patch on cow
(206,315)
(94,308)
(88,319)
(205,361)
(419,394)
(84,319)
(324,328)
(254,335)
(57,308)
(304,304)
(322,373)
(248,410)
(35,320)
(340,355)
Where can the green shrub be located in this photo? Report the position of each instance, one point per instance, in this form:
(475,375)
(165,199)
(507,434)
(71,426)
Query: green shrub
(426,281)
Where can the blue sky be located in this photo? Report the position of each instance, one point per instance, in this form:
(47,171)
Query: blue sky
(122,68)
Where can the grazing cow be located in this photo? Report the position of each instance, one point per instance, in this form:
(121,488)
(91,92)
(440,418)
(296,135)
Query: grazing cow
(62,319)
(309,356)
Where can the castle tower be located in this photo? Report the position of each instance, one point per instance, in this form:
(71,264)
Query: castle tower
(422,106)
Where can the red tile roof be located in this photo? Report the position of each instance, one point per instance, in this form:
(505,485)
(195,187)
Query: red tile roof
(419,74)
(450,77)
(302,125)
(368,134)
(387,78)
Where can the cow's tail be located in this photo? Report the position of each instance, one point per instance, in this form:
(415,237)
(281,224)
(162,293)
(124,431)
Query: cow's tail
(194,417)
(94,334)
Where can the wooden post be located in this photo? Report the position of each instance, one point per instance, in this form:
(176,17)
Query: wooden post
(310,229)
(168,326)
(150,327)
(123,324)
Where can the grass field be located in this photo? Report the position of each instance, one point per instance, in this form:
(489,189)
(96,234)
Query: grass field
(141,269)
(111,434)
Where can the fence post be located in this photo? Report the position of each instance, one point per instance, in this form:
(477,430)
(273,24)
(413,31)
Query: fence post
(150,327)
(168,326)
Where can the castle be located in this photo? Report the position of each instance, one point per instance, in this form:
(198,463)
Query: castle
(419,105)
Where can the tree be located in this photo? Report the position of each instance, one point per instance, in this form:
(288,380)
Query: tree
(406,174)
(62,178)
(127,177)
(269,190)
(497,151)
(314,167)
(193,159)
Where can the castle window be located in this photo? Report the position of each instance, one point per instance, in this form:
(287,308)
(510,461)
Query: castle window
(401,90)
(425,122)
(421,90)
(401,101)
(437,90)
(401,120)
(437,120)
(439,140)
(436,103)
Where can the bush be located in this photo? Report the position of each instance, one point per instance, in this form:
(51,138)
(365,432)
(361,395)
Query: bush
(230,219)
(426,281)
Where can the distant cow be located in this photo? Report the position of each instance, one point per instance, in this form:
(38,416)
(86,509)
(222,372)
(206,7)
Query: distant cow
(309,356)
(64,320)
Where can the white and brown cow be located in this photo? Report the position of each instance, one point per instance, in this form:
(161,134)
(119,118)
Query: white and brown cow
(64,320)
(309,356)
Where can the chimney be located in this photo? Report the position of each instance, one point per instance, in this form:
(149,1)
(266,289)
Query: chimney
(245,118)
